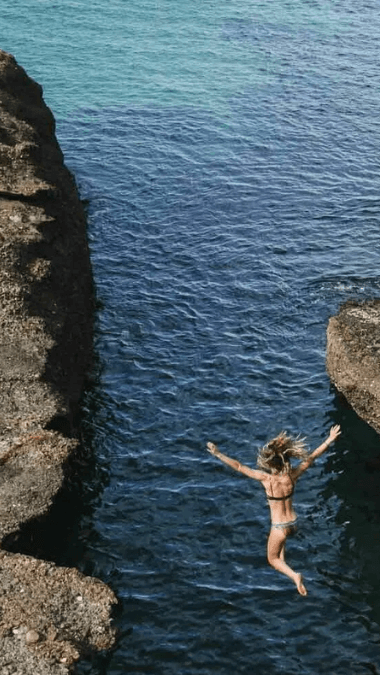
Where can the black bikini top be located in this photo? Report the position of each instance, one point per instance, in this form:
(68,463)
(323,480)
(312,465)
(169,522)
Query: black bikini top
(278,499)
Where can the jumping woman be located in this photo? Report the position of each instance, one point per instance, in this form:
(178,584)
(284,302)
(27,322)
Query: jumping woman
(278,478)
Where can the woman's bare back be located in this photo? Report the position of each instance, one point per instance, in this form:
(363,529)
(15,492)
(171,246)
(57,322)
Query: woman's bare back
(279,491)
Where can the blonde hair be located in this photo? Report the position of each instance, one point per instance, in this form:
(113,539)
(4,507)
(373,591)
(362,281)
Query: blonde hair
(276,454)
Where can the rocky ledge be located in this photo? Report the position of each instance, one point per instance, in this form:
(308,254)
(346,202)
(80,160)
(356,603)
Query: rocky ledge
(353,357)
(49,615)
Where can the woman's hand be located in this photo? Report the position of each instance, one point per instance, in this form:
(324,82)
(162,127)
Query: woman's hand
(334,433)
(211,447)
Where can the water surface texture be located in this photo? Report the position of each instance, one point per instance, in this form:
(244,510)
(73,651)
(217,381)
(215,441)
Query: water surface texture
(229,153)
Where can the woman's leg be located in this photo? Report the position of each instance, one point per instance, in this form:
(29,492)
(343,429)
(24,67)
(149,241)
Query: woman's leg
(276,558)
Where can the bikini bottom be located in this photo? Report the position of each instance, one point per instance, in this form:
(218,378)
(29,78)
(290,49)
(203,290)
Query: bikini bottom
(285,526)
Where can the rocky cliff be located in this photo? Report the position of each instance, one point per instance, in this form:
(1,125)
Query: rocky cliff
(353,357)
(49,616)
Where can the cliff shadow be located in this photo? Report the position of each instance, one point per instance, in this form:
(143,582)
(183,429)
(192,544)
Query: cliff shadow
(354,468)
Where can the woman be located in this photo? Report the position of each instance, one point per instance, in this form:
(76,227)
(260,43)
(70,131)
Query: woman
(278,479)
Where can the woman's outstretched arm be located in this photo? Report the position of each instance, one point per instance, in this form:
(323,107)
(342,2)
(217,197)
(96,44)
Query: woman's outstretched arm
(333,435)
(234,464)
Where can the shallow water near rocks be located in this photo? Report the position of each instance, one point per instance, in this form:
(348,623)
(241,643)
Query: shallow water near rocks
(229,155)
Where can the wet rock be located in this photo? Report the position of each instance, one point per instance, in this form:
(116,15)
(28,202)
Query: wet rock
(353,357)
(46,309)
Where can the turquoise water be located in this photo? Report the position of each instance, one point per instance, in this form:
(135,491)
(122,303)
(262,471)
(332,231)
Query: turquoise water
(229,153)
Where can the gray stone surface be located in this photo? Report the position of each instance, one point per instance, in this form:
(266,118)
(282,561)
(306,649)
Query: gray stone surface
(50,616)
(46,310)
(353,357)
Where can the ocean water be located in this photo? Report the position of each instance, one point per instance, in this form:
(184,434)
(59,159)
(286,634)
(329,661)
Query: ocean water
(229,156)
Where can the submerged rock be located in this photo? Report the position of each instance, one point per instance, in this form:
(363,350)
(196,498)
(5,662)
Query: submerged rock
(353,357)
(46,309)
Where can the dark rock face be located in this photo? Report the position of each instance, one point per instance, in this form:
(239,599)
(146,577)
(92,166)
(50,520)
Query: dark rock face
(353,357)
(46,309)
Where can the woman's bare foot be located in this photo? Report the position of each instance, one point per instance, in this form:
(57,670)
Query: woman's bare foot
(300,585)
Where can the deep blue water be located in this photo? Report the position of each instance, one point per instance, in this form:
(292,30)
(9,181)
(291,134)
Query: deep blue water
(229,153)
